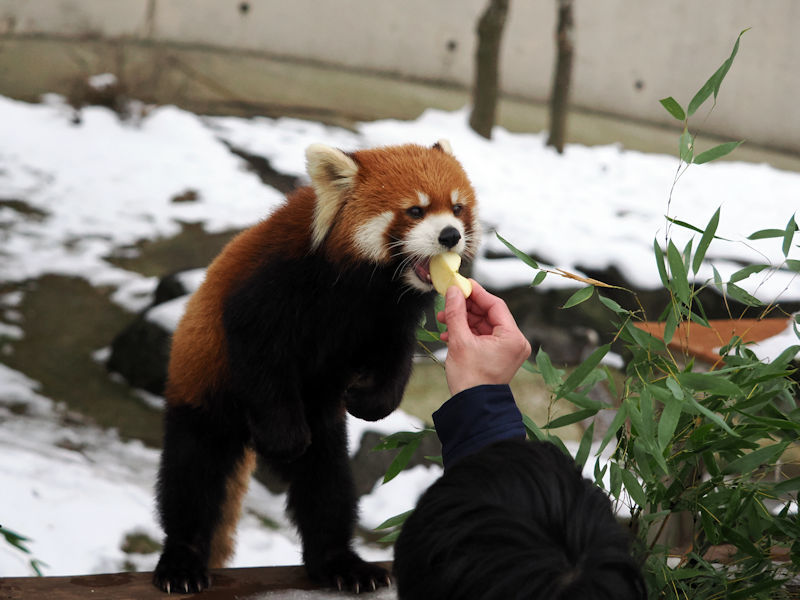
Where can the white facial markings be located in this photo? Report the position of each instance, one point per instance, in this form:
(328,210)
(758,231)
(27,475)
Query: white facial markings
(424,200)
(454,197)
(423,238)
(370,238)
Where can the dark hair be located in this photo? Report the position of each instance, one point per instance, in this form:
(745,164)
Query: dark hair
(515,520)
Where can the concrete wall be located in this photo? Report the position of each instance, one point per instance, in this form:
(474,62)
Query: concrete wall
(630,53)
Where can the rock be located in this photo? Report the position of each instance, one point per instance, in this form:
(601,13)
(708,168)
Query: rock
(140,354)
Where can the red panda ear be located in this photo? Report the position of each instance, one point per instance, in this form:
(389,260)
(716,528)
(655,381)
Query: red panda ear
(444,146)
(332,175)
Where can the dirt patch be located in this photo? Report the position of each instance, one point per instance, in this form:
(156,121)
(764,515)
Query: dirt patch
(65,321)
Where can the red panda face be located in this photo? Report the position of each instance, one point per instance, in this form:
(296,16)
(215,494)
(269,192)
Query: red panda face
(395,206)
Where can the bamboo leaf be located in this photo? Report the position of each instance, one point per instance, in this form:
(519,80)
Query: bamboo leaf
(737,293)
(680,280)
(766,233)
(791,227)
(578,376)
(715,384)
(668,422)
(673,108)
(634,487)
(613,305)
(582,295)
(686,146)
(705,241)
(401,460)
(752,460)
(716,152)
(395,520)
(746,272)
(533,429)
(518,253)
(564,420)
(539,278)
(551,375)
(662,269)
(585,446)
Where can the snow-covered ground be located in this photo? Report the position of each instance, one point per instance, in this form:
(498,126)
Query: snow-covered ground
(102,185)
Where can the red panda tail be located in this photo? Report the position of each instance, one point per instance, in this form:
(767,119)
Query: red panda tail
(222,540)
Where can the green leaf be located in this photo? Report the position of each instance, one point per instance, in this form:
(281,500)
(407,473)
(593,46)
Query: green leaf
(742,274)
(564,420)
(585,446)
(662,269)
(518,253)
(737,293)
(714,417)
(438,306)
(673,108)
(714,82)
(716,152)
(670,325)
(752,460)
(686,146)
(616,423)
(582,295)
(401,460)
(791,227)
(613,305)
(766,233)
(715,384)
(533,429)
(551,375)
(705,241)
(793,265)
(539,278)
(634,487)
(717,279)
(423,335)
(680,280)
(577,377)
(395,520)
(790,485)
(668,422)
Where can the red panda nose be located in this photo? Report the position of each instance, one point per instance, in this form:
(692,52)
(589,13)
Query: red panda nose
(449,237)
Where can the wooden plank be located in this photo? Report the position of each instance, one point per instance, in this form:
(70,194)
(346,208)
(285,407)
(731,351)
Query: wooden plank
(226,584)
(701,342)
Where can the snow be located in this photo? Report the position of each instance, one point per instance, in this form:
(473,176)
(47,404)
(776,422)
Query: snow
(100,186)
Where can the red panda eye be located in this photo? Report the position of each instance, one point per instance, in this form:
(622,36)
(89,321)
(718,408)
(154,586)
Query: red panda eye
(415,212)
(457,208)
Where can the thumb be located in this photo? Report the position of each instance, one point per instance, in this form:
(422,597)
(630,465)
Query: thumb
(455,313)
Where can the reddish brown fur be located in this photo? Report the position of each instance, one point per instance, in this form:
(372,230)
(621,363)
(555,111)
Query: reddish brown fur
(198,358)
(390,181)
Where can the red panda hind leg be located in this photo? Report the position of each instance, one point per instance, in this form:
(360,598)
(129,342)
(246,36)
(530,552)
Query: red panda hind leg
(202,478)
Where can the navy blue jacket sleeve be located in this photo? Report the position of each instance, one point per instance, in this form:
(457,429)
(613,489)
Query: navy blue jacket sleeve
(475,418)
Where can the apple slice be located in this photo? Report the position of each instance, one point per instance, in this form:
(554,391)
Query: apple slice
(444,273)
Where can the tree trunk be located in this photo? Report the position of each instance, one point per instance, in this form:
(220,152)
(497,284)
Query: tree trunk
(487,58)
(559,97)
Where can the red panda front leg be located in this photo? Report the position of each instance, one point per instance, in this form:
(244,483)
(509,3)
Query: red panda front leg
(322,502)
(376,390)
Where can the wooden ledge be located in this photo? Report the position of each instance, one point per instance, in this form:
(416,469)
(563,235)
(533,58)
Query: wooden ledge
(227,584)
(704,342)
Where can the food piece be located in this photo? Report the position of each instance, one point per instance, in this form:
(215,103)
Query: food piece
(444,273)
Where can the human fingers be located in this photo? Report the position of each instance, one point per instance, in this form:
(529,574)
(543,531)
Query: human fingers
(455,314)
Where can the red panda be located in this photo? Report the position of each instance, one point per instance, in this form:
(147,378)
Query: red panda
(302,317)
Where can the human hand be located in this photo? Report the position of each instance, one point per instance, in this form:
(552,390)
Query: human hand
(484,344)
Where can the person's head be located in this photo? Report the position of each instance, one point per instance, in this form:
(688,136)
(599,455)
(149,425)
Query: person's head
(515,520)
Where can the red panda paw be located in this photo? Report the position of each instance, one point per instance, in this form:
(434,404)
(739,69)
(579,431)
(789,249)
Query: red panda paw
(181,571)
(348,571)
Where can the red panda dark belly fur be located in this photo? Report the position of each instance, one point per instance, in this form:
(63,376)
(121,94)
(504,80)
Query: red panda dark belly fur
(274,345)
